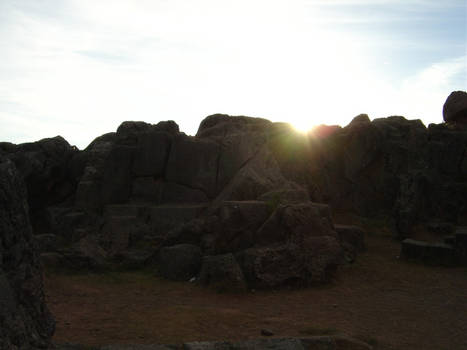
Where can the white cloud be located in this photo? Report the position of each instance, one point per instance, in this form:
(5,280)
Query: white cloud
(92,65)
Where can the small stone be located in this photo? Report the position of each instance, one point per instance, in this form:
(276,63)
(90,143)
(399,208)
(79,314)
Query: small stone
(267,332)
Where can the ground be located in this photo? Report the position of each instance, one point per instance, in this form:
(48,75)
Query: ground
(389,303)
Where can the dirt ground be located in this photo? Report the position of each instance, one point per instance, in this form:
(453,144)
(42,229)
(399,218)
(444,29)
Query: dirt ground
(380,299)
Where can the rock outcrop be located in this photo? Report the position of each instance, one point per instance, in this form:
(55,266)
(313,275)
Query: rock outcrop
(336,342)
(455,108)
(242,186)
(25,322)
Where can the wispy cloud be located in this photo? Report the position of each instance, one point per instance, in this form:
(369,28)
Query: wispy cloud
(80,67)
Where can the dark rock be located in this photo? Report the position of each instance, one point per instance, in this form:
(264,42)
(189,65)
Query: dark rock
(221,125)
(136,347)
(285,196)
(180,262)
(352,239)
(194,163)
(337,342)
(270,344)
(157,191)
(323,131)
(267,332)
(135,259)
(461,244)
(86,254)
(295,222)
(455,108)
(343,343)
(258,176)
(46,242)
(127,132)
(238,221)
(451,240)
(175,193)
(314,260)
(151,154)
(222,273)
(116,232)
(52,260)
(191,231)
(45,168)
(129,209)
(164,218)
(116,176)
(361,118)
(429,253)
(25,321)
(441,228)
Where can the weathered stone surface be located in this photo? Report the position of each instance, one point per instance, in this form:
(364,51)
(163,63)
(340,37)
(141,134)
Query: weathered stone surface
(151,154)
(46,242)
(441,228)
(460,244)
(166,217)
(52,260)
(25,321)
(221,125)
(180,262)
(45,166)
(86,253)
(285,196)
(429,253)
(222,273)
(237,223)
(337,342)
(455,108)
(272,344)
(116,175)
(135,347)
(259,175)
(157,191)
(194,163)
(116,232)
(294,222)
(352,239)
(314,260)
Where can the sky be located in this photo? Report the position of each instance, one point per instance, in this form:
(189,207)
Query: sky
(78,68)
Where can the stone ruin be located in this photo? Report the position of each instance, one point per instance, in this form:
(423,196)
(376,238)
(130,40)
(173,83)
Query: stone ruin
(246,203)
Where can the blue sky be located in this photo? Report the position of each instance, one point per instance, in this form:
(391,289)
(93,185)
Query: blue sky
(78,68)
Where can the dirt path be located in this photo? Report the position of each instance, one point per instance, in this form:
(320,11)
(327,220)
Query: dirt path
(380,299)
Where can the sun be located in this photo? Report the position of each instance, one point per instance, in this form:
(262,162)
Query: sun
(302,125)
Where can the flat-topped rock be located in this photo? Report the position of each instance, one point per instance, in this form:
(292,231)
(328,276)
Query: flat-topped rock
(429,253)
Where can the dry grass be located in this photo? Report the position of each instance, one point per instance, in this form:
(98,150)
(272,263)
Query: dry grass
(380,299)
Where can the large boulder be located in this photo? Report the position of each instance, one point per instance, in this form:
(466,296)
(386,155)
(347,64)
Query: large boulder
(180,262)
(455,108)
(296,245)
(25,321)
(222,273)
(313,260)
(193,163)
(46,168)
(428,253)
(352,239)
